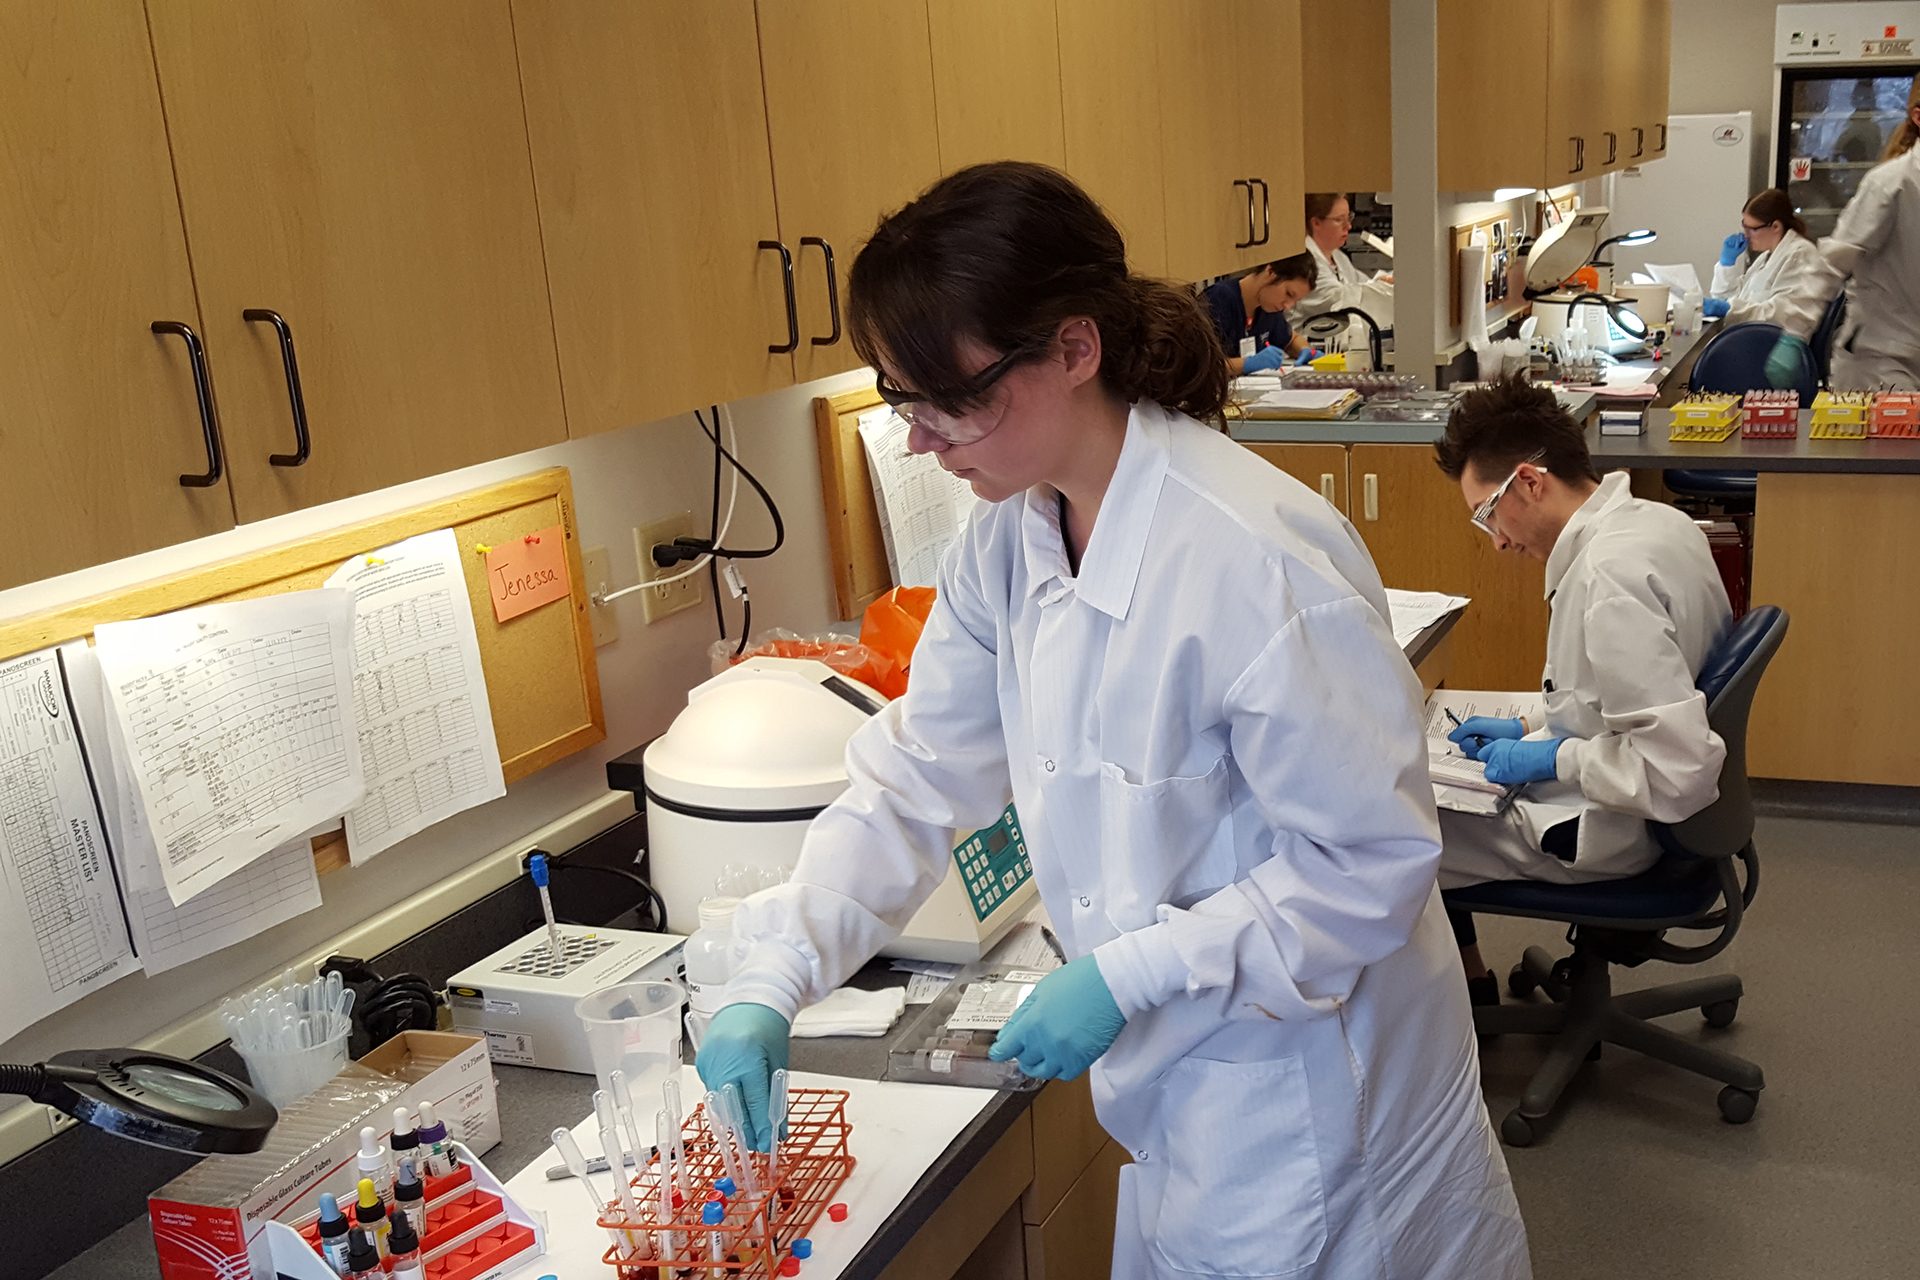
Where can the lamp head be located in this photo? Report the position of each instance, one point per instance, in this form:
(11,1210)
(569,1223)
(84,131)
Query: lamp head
(153,1098)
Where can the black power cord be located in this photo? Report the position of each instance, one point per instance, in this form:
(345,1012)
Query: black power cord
(652,904)
(680,550)
(384,1007)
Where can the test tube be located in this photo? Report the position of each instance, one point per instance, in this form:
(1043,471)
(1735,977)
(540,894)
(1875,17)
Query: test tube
(664,1145)
(614,1146)
(777,1116)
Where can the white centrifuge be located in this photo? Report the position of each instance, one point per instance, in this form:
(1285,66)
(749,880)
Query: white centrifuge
(758,752)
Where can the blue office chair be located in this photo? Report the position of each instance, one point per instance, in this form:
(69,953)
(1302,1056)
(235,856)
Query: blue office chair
(1735,361)
(1694,886)
(1823,336)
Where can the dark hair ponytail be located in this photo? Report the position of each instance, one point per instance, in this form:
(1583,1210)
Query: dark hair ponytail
(1774,205)
(1000,254)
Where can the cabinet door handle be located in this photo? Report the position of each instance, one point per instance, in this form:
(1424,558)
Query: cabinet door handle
(1639,142)
(1613,145)
(1370,496)
(1579,155)
(793,305)
(1266,211)
(1326,488)
(302,447)
(203,392)
(1663,135)
(833,289)
(1248,243)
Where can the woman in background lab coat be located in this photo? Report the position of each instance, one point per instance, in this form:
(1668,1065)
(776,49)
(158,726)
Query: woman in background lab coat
(1874,252)
(1181,668)
(1754,294)
(1337,282)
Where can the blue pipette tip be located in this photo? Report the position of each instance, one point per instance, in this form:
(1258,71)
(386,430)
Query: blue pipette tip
(537,868)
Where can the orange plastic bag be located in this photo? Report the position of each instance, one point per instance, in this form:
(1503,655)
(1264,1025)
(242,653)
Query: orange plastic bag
(846,655)
(891,628)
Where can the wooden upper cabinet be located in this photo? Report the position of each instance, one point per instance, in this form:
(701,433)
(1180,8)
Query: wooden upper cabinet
(655,184)
(360,168)
(1655,68)
(1269,33)
(1211,201)
(1110,95)
(996,81)
(98,418)
(850,111)
(1348,140)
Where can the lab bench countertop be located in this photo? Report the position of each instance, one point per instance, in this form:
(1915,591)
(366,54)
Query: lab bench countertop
(1835,457)
(533,1103)
(1360,429)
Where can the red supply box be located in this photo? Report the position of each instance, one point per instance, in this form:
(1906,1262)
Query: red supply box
(210,1222)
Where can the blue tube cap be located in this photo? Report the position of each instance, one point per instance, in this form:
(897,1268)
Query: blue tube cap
(713,1213)
(802,1248)
(725,1186)
(537,868)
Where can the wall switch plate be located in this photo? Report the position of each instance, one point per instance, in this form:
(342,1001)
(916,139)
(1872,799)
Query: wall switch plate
(689,591)
(606,623)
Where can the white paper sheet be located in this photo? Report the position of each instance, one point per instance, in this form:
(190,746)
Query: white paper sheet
(899,1130)
(921,506)
(62,932)
(1460,783)
(266,892)
(1530,707)
(1415,611)
(134,854)
(419,693)
(238,724)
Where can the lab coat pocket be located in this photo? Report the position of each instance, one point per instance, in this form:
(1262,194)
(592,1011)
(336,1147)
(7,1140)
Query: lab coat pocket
(1167,841)
(1244,1195)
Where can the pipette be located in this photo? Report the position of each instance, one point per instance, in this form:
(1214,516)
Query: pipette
(569,1150)
(777,1115)
(723,1139)
(537,868)
(615,1146)
(624,1108)
(676,1118)
(664,1179)
(738,1136)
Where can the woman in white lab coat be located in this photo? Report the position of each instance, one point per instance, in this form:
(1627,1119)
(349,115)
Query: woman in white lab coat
(1337,282)
(1874,252)
(1180,667)
(1785,255)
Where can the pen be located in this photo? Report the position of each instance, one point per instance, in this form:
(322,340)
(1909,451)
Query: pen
(595,1164)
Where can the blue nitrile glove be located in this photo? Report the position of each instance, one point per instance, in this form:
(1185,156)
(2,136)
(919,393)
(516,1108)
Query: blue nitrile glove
(1785,362)
(744,1045)
(1731,248)
(1068,1021)
(1517,761)
(1264,359)
(1714,308)
(1308,355)
(1475,732)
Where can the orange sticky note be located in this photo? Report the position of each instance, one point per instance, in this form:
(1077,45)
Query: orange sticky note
(527,572)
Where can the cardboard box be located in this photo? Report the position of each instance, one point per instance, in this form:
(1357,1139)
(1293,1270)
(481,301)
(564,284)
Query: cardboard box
(451,1070)
(210,1222)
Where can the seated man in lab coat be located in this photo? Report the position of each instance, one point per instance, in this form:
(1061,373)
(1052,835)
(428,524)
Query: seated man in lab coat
(1635,606)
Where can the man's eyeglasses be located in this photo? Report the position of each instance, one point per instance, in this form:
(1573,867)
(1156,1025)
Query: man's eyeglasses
(1483,514)
(921,408)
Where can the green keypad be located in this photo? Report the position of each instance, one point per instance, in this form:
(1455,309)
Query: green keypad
(993,863)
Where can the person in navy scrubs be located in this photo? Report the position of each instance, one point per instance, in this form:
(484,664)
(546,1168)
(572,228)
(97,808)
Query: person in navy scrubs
(1254,306)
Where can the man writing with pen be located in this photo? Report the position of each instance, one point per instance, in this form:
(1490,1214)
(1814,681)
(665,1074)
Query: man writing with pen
(1635,606)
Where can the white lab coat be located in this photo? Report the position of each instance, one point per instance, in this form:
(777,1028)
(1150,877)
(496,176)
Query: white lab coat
(1215,749)
(1755,293)
(1875,249)
(1636,605)
(1337,283)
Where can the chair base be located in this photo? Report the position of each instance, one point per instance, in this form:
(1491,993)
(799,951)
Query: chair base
(1586,1014)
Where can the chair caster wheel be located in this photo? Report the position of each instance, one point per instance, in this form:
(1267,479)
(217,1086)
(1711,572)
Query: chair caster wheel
(1516,1130)
(1520,983)
(1736,1104)
(1721,1013)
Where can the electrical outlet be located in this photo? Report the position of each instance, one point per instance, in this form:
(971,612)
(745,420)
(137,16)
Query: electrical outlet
(59,1121)
(606,623)
(689,591)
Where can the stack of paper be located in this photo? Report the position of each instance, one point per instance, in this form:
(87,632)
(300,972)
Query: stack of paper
(1459,782)
(1415,611)
(1310,405)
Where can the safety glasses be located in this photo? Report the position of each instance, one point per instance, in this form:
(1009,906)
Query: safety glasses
(921,408)
(1483,514)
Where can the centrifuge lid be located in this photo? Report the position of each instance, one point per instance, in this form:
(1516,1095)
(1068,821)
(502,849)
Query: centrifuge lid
(768,734)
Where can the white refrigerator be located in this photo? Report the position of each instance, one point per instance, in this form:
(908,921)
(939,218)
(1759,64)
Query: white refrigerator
(1692,196)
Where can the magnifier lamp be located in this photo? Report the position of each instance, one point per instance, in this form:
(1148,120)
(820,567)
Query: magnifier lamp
(1645,235)
(148,1097)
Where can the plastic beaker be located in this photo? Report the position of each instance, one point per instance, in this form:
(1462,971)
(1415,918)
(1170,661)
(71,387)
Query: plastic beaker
(288,1074)
(634,1027)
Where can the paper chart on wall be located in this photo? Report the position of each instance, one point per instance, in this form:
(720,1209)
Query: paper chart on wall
(237,723)
(921,506)
(63,934)
(424,721)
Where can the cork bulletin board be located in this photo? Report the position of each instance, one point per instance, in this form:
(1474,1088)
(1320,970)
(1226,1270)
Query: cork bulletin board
(541,675)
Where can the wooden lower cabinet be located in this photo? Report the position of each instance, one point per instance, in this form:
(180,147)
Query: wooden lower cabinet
(1317,466)
(1076,1240)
